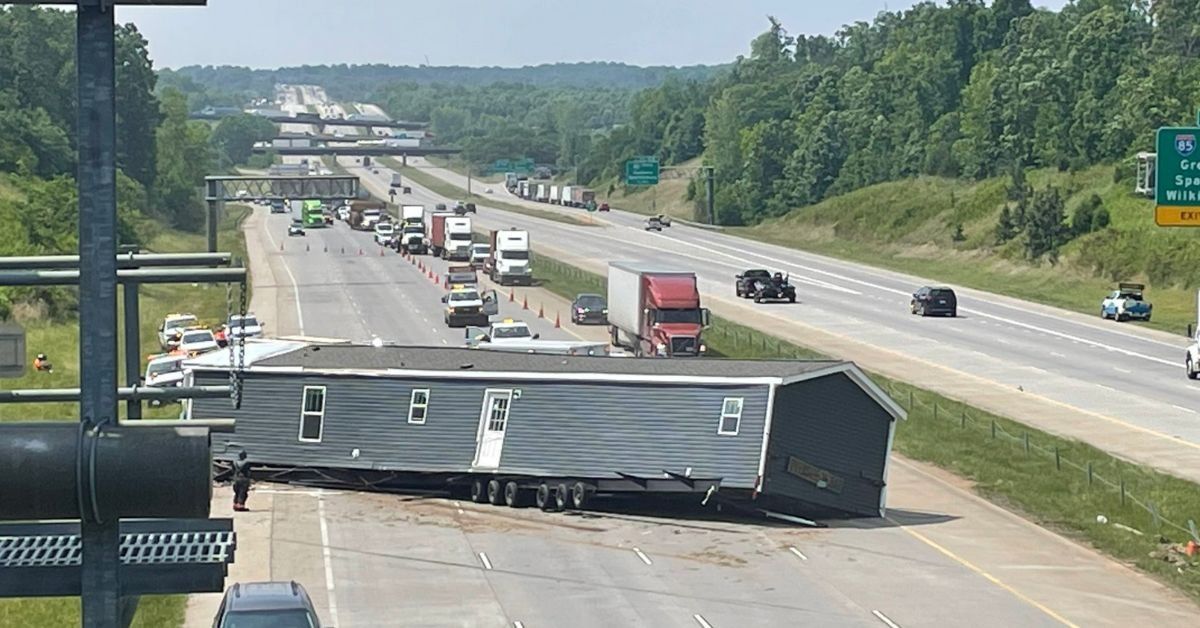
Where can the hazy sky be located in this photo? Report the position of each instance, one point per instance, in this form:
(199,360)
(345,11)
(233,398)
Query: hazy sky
(274,33)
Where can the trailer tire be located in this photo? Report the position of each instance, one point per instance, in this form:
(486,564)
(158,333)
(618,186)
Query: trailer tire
(580,496)
(542,498)
(513,497)
(561,498)
(495,493)
(478,491)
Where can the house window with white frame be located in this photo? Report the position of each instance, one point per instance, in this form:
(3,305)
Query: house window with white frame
(312,414)
(731,416)
(418,406)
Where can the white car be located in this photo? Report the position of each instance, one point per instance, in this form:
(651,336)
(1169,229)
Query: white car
(197,341)
(480,253)
(171,325)
(247,326)
(384,232)
(165,371)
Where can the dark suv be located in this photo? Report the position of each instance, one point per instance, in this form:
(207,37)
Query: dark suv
(935,301)
(266,605)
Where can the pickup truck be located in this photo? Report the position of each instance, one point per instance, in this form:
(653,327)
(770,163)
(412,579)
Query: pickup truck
(510,335)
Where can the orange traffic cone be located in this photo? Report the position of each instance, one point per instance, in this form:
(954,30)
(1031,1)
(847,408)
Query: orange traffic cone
(360,251)
(1191,549)
(381,251)
(512,296)
(541,311)
(446,284)
(525,305)
(557,322)
(280,246)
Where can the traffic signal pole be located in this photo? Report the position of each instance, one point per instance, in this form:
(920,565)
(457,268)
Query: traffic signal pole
(97,124)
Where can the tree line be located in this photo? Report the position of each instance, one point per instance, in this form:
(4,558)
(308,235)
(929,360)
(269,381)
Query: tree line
(162,157)
(964,89)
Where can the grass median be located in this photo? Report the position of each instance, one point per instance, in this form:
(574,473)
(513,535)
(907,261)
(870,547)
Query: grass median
(1128,511)
(60,341)
(449,190)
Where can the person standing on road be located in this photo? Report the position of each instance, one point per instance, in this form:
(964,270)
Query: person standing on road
(241,482)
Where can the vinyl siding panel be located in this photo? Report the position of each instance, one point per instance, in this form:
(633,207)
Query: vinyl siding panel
(832,424)
(554,428)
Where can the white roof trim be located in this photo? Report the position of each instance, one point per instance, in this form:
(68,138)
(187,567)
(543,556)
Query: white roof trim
(858,377)
(517,375)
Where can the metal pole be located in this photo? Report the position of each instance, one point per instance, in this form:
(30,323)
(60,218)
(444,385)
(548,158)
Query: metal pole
(708,195)
(97,122)
(133,347)
(124,260)
(468,179)
(215,209)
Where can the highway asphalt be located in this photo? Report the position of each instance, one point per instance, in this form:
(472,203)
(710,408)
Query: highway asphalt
(1116,371)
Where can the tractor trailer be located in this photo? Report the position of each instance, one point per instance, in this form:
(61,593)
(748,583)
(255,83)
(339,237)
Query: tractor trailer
(655,311)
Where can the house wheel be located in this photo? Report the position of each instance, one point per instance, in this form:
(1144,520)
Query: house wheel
(478,490)
(561,498)
(542,498)
(495,493)
(580,496)
(512,495)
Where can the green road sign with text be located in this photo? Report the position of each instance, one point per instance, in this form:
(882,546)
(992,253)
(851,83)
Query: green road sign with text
(1177,177)
(641,171)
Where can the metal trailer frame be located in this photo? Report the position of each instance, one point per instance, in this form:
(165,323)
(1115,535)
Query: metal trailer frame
(550,492)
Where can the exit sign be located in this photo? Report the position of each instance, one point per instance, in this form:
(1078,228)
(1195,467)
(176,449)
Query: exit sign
(641,171)
(1177,177)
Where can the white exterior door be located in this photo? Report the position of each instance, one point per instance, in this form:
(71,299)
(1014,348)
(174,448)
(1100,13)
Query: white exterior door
(493,422)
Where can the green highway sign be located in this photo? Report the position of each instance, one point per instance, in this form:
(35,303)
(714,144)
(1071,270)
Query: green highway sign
(1177,177)
(641,171)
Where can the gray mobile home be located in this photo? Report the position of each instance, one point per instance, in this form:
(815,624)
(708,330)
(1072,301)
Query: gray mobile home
(808,437)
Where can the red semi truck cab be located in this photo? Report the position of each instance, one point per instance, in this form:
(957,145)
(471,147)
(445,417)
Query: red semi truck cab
(655,311)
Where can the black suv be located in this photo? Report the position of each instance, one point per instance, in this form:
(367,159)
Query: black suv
(266,605)
(935,301)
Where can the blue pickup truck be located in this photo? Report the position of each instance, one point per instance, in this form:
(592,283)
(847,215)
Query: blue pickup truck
(1126,303)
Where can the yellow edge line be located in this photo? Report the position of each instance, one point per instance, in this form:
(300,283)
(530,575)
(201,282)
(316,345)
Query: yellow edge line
(993,579)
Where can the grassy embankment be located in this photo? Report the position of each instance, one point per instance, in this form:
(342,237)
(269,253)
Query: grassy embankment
(959,438)
(60,342)
(449,190)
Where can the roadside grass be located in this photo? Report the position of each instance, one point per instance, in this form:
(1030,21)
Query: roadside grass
(154,611)
(60,342)
(449,190)
(1048,483)
(668,197)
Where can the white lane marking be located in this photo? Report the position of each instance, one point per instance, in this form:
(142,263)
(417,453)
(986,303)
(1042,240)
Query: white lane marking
(333,614)
(1183,408)
(700,620)
(642,555)
(884,618)
(798,553)
(1057,354)
(869,269)
(995,317)
(444,341)
(1121,370)
(517,624)
(1002,341)
(295,286)
(487,564)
